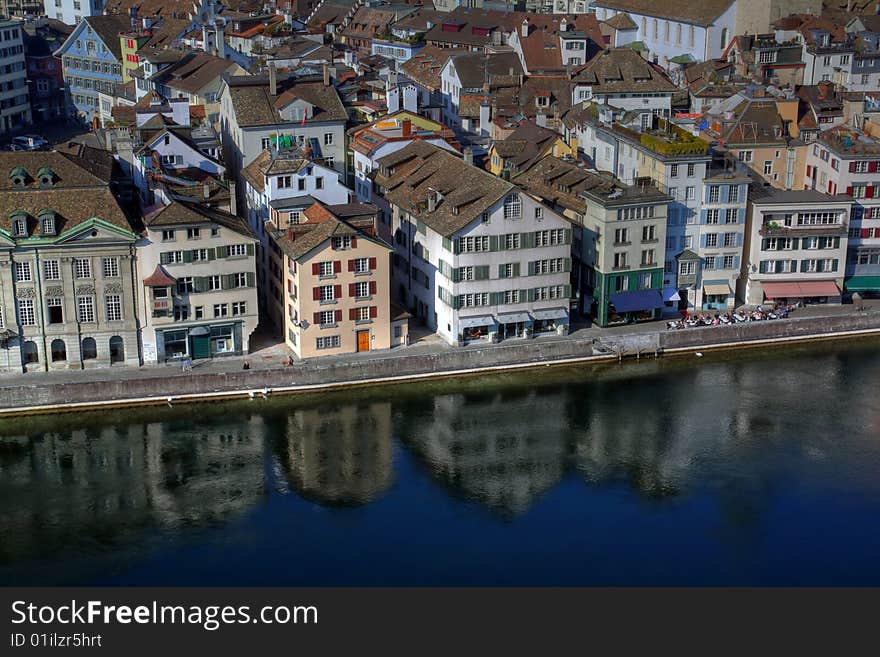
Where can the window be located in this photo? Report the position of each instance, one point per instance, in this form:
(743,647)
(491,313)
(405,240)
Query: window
(649,233)
(174,257)
(113,304)
(215,231)
(300,184)
(673,170)
(512,207)
(729,239)
(239,308)
(48,225)
(473,244)
(167,235)
(620,260)
(20,227)
(326,293)
(328,139)
(26,314)
(539,213)
(709,262)
(200,312)
(745,156)
(549,237)
(729,261)
(110,266)
(233,250)
(200,255)
(711,240)
(361,265)
(549,266)
(22,272)
(687,268)
(712,216)
(325,268)
(362,289)
(319,182)
(511,241)
(285,182)
(265,143)
(689,193)
(328,342)
(327,318)
(215,283)
(648,257)
(83,268)
(51,270)
(621,235)
(85,309)
(714,193)
(691,169)
(192,233)
(473,300)
(733,194)
(221,310)
(181,313)
(768,167)
(362,314)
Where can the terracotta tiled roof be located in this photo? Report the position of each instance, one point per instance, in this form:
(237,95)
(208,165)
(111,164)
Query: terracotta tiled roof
(183,213)
(324,222)
(159,278)
(255,106)
(620,70)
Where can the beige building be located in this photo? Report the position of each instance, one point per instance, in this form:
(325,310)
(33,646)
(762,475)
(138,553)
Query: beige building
(67,290)
(199,294)
(336,277)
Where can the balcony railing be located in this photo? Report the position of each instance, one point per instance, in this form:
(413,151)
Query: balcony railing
(782,230)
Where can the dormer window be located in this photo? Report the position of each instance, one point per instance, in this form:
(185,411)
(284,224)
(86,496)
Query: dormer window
(512,206)
(46,177)
(18,176)
(19,227)
(47,222)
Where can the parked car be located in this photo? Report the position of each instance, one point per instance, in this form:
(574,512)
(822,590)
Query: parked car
(30,142)
(11,147)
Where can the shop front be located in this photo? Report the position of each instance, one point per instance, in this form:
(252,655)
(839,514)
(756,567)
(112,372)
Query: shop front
(717,295)
(865,286)
(199,342)
(514,325)
(808,292)
(550,320)
(636,306)
(478,328)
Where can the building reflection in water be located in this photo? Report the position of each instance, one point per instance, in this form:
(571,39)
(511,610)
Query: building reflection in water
(106,486)
(339,454)
(502,449)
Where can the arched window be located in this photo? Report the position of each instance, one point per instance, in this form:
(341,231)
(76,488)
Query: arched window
(31,354)
(117,350)
(89,349)
(59,351)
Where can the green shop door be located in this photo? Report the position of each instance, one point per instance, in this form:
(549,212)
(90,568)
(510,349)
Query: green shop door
(201,346)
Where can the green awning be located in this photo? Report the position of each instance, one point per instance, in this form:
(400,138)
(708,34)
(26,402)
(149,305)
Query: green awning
(638,46)
(862,284)
(682,59)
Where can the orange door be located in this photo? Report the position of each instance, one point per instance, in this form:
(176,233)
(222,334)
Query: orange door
(363,340)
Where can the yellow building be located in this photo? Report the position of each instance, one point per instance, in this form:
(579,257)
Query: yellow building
(337,273)
(524,147)
(129,44)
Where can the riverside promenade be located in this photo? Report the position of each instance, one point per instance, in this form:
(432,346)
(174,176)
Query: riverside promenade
(41,392)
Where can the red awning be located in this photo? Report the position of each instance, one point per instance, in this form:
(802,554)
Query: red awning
(159,278)
(781,290)
(800,290)
(819,289)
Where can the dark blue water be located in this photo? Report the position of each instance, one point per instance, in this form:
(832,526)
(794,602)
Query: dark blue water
(761,468)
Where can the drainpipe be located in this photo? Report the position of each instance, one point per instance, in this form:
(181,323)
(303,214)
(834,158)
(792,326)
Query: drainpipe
(40,299)
(82,362)
(134,301)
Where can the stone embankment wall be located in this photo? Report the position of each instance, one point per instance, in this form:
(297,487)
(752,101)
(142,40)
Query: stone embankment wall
(141,388)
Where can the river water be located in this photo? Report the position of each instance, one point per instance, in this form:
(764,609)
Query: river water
(755,468)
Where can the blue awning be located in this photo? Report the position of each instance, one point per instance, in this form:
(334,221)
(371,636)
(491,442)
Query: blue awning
(671,294)
(626,302)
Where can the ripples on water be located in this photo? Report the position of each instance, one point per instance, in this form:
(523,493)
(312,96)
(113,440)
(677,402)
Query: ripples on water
(759,468)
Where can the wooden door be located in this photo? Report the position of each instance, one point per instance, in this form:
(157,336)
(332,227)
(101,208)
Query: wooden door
(363,340)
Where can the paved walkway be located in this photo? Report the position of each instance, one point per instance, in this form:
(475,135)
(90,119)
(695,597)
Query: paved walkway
(269,354)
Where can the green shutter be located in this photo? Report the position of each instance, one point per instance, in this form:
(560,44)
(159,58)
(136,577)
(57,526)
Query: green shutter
(566,264)
(803,265)
(566,291)
(221,251)
(420,226)
(481,272)
(211,254)
(836,242)
(251,279)
(199,284)
(530,294)
(764,243)
(795,243)
(524,296)
(227,281)
(250,248)
(493,242)
(527,240)
(532,268)
(455,303)
(516,269)
(501,269)
(188,256)
(566,236)
(163,258)
(447,244)
(457,247)
(455,276)
(494,298)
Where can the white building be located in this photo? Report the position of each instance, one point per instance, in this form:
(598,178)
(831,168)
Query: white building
(476,258)
(15,109)
(72,11)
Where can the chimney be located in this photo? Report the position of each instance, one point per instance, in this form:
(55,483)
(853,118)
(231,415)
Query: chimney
(273,79)
(406,127)
(220,27)
(485,118)
(233,204)
(206,190)
(326,70)
(524,30)
(432,200)
(468,156)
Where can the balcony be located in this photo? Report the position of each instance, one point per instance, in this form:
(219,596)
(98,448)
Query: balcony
(781,230)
